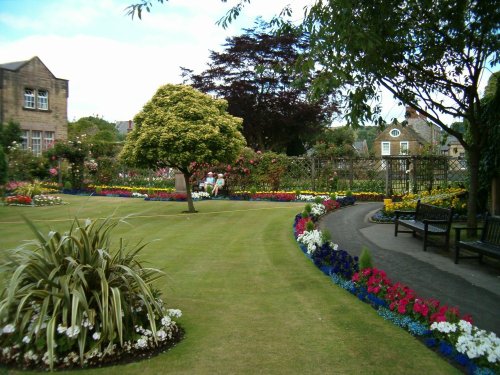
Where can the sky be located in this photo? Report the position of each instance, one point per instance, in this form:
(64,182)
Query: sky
(115,64)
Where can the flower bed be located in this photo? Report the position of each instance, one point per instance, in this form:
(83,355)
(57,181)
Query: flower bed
(18,200)
(75,299)
(441,327)
(449,198)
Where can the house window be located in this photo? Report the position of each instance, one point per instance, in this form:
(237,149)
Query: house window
(29,98)
(36,142)
(386,148)
(43,100)
(48,140)
(395,133)
(403,148)
(24,137)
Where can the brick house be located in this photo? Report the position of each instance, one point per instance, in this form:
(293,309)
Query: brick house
(412,139)
(33,97)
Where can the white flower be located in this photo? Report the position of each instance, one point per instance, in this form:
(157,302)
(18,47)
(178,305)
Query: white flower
(161,335)
(26,339)
(9,328)
(175,313)
(96,336)
(312,240)
(61,329)
(165,321)
(72,332)
(317,209)
(141,343)
(444,327)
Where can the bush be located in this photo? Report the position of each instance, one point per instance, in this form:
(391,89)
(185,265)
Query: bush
(70,298)
(365,259)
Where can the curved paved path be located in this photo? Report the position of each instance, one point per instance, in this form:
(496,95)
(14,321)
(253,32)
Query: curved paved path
(472,287)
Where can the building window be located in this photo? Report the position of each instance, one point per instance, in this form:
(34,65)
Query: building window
(24,137)
(386,148)
(36,142)
(48,140)
(29,98)
(403,148)
(395,133)
(43,100)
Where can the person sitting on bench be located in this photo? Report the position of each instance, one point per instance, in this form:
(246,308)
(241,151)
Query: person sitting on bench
(219,183)
(209,182)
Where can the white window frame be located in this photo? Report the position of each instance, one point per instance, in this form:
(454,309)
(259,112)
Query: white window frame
(395,133)
(43,100)
(29,98)
(404,152)
(36,142)
(25,139)
(385,148)
(48,140)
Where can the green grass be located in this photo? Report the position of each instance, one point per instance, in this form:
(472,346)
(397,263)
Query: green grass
(252,302)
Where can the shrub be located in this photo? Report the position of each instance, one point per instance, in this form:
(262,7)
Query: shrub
(310,226)
(70,297)
(365,259)
(308,208)
(30,189)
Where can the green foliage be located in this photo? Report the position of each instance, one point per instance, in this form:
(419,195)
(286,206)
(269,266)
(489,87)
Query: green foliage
(326,236)
(365,259)
(23,165)
(318,200)
(30,189)
(335,142)
(79,282)
(10,136)
(333,196)
(3,167)
(309,226)
(68,185)
(304,214)
(183,128)
(308,208)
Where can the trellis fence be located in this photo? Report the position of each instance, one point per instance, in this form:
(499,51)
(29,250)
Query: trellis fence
(389,175)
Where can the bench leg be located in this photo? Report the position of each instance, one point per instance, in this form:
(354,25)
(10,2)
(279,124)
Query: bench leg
(396,228)
(425,240)
(457,253)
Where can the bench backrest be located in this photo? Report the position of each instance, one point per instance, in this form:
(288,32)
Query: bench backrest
(430,212)
(491,231)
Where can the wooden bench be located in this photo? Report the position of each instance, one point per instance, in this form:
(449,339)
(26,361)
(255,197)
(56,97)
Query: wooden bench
(427,220)
(488,244)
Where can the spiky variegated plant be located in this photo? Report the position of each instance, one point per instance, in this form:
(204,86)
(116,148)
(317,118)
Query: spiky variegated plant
(72,293)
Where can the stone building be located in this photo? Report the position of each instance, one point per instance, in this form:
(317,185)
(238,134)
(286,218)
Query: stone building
(33,97)
(413,139)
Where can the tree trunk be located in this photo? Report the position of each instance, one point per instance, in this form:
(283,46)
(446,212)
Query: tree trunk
(474,155)
(188,193)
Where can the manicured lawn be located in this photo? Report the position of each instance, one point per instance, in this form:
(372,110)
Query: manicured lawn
(252,302)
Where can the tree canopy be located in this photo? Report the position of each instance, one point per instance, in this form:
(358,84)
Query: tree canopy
(254,74)
(181,127)
(335,142)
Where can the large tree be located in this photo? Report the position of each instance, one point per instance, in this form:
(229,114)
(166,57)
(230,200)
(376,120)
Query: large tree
(181,127)
(429,54)
(254,74)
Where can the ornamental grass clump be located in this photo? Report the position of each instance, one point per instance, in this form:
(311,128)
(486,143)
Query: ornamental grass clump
(78,299)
